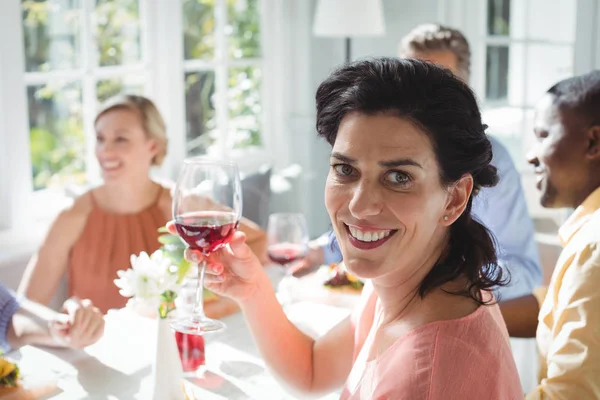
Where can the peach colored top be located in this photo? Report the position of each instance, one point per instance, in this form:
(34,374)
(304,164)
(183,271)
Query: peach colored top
(465,358)
(105,246)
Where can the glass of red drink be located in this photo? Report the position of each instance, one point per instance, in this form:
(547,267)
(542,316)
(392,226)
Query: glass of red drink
(207,207)
(287,241)
(191,351)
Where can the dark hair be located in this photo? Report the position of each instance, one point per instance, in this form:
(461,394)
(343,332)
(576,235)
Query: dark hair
(445,108)
(580,94)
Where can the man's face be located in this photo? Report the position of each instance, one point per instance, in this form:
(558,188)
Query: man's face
(559,155)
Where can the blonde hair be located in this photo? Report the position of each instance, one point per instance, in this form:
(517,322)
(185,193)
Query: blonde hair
(434,37)
(152,122)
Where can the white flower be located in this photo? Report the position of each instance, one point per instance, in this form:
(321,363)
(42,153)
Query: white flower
(148,278)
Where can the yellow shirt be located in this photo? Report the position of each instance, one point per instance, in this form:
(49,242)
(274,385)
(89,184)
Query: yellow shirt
(568,333)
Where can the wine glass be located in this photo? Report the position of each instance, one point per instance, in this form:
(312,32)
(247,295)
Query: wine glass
(287,242)
(207,207)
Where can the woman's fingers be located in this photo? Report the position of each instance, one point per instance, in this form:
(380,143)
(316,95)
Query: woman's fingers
(171,227)
(87,323)
(194,256)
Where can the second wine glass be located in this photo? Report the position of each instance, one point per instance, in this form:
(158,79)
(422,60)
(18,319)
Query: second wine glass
(207,207)
(287,243)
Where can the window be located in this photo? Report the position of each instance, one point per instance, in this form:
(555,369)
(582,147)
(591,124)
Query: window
(204,63)
(222,74)
(525,52)
(77,54)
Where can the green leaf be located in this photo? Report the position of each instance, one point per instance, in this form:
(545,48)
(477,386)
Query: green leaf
(169,239)
(163,229)
(183,269)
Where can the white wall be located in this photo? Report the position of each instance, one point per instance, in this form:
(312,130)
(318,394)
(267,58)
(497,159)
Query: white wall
(315,64)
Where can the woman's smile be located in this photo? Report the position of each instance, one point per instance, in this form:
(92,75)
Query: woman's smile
(368,238)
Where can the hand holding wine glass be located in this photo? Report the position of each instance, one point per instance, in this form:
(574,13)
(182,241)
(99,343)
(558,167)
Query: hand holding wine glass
(207,207)
(232,271)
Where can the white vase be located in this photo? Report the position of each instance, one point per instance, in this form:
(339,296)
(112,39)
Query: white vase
(167,373)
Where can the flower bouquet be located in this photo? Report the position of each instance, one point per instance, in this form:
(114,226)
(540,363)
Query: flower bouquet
(152,284)
(173,248)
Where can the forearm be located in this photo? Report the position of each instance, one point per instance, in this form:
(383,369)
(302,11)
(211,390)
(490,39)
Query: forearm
(26,330)
(38,283)
(521,316)
(287,351)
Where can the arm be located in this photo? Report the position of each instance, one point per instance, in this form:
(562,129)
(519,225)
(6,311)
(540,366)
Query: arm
(8,308)
(322,250)
(521,316)
(573,359)
(47,267)
(503,210)
(307,365)
(35,324)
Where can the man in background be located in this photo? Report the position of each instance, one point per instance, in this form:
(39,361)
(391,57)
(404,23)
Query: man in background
(565,317)
(502,209)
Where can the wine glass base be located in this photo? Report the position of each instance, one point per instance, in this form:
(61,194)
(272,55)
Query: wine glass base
(197,326)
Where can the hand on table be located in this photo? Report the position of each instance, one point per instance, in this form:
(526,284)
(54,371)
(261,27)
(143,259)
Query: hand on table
(233,271)
(83,325)
(315,257)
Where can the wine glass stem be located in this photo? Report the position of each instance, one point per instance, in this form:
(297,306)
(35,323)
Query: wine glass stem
(198,311)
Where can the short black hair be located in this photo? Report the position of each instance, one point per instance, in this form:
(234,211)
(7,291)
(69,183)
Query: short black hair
(445,108)
(580,94)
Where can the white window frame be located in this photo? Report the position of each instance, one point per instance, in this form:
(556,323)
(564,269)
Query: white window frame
(471,18)
(167,86)
(164,82)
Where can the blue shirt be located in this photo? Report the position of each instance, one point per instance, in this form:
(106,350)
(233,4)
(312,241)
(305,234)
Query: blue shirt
(503,210)
(8,308)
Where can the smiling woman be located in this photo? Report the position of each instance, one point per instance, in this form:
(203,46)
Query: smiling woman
(95,238)
(409,154)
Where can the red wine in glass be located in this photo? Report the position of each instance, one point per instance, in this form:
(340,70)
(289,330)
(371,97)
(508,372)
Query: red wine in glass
(206,231)
(191,351)
(286,253)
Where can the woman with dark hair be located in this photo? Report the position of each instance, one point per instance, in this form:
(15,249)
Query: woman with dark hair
(409,153)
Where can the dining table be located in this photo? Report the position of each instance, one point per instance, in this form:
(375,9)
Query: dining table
(119,365)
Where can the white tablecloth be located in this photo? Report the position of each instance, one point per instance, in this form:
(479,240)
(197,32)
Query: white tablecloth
(119,365)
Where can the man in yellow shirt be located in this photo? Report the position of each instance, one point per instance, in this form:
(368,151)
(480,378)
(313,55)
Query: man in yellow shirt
(566,158)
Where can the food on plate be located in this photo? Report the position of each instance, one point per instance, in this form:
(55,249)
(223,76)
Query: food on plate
(9,376)
(340,279)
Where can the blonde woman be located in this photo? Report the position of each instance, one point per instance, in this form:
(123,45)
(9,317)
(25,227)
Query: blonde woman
(96,236)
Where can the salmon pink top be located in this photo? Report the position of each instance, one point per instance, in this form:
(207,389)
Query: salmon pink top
(465,358)
(105,246)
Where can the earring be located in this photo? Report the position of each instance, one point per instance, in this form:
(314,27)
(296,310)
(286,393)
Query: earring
(445,218)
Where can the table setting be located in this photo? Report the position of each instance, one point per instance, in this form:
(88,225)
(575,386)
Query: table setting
(175,340)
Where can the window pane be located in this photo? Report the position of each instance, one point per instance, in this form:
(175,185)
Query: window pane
(244,106)
(56,135)
(51,34)
(498,17)
(118,32)
(130,84)
(198,29)
(507,125)
(556,22)
(557,62)
(200,111)
(496,73)
(243,28)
